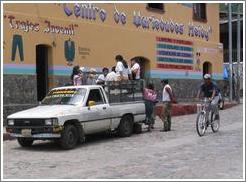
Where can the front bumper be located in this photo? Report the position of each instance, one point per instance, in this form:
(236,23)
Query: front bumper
(38,136)
(40,132)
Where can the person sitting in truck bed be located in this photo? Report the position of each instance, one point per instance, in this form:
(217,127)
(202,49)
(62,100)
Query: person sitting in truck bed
(91,80)
(76,76)
(112,75)
(84,75)
(102,77)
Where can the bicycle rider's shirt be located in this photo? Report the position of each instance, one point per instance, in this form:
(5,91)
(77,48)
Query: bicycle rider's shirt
(208,89)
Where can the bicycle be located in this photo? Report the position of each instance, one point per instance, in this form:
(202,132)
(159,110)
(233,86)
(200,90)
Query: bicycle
(206,117)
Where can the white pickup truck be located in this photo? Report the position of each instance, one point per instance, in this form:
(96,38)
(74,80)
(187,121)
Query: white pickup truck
(68,114)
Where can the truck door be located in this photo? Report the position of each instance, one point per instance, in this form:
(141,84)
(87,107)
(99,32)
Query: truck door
(97,116)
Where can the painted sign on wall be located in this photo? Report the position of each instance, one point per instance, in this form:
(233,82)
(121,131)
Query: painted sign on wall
(89,11)
(86,11)
(174,53)
(29,26)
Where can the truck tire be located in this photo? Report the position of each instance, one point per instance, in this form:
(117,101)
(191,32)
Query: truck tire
(126,126)
(137,128)
(69,137)
(25,142)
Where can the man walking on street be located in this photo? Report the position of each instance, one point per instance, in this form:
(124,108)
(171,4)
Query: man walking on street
(167,99)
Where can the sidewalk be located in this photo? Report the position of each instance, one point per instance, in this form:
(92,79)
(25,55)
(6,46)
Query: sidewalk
(177,110)
(187,108)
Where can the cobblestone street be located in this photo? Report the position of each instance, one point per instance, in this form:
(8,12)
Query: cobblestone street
(178,154)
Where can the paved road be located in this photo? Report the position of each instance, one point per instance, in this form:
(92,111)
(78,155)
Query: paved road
(177,154)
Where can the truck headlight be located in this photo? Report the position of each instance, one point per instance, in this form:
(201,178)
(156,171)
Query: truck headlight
(11,122)
(51,121)
(48,122)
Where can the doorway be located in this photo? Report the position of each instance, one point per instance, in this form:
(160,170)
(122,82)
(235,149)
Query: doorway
(207,68)
(144,65)
(42,70)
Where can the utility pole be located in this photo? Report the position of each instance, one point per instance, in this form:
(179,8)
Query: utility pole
(230,51)
(238,54)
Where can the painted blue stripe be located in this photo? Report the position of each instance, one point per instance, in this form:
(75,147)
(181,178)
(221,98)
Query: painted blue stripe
(174,75)
(29,70)
(25,71)
(171,53)
(174,60)
(62,72)
(180,75)
(217,76)
(174,47)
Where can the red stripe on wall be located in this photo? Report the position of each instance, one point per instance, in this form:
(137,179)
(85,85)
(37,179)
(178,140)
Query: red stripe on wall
(172,66)
(174,41)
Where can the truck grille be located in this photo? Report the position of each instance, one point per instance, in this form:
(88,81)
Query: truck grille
(29,122)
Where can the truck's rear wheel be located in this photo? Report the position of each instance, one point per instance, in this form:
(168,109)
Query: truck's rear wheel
(69,137)
(25,142)
(126,126)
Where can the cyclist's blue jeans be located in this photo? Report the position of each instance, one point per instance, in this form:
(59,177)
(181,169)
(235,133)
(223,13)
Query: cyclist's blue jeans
(214,104)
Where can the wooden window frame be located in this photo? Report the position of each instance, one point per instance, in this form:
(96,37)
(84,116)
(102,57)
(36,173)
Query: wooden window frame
(195,17)
(155,9)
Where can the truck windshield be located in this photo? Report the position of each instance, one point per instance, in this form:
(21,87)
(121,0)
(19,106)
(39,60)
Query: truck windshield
(68,96)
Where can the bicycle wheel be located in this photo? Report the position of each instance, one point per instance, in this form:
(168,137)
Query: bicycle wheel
(201,124)
(215,122)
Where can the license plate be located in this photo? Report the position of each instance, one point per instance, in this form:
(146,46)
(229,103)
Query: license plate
(26,132)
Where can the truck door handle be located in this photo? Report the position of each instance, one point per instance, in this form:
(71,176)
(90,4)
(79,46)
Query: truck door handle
(104,108)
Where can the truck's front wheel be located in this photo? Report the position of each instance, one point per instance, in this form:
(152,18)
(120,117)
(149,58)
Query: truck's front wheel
(126,126)
(25,142)
(69,137)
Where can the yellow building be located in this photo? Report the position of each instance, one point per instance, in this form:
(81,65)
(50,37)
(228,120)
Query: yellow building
(42,42)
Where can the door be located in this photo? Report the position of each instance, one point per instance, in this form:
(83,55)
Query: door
(207,68)
(42,71)
(98,116)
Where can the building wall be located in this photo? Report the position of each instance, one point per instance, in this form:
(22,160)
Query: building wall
(103,40)
(98,40)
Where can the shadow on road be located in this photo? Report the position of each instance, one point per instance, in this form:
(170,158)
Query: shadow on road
(94,139)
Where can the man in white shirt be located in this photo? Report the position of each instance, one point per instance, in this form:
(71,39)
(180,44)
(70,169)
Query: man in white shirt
(135,70)
(112,75)
(167,99)
(102,77)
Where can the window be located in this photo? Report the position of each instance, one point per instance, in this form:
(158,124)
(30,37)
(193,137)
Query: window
(156,6)
(95,95)
(199,11)
(189,5)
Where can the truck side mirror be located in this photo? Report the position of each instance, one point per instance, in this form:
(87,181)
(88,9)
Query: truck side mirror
(91,103)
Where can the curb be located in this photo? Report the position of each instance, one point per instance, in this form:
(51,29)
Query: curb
(177,110)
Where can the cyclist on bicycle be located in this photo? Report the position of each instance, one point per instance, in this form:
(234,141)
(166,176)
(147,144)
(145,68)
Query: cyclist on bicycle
(210,91)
